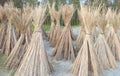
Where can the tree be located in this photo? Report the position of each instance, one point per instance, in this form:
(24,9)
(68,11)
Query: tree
(3,1)
(117,3)
(20,3)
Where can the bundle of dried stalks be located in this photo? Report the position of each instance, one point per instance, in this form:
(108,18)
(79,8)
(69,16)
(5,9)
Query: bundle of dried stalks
(105,57)
(113,38)
(21,20)
(57,28)
(119,26)
(81,35)
(64,47)
(52,27)
(10,40)
(28,34)
(86,60)
(35,61)
(27,38)
(108,26)
(80,39)
(3,26)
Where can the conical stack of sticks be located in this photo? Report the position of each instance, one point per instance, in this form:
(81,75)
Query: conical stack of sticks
(113,38)
(64,47)
(10,37)
(57,28)
(52,27)
(3,26)
(81,35)
(105,57)
(21,20)
(35,61)
(87,59)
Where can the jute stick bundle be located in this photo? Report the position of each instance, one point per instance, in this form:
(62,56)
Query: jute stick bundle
(57,29)
(52,27)
(119,26)
(29,33)
(3,26)
(81,35)
(35,61)
(21,20)
(109,26)
(86,60)
(9,38)
(105,57)
(64,47)
(113,38)
(80,39)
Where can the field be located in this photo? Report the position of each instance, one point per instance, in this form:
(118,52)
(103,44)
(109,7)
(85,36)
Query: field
(62,67)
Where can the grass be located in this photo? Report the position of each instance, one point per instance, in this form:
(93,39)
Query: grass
(2,66)
(46,27)
(32,26)
(2,60)
(76,25)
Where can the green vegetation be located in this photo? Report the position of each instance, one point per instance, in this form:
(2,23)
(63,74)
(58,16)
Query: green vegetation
(2,60)
(46,27)
(74,21)
(32,26)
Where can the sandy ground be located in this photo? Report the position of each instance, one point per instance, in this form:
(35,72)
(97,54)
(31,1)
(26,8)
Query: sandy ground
(4,73)
(63,68)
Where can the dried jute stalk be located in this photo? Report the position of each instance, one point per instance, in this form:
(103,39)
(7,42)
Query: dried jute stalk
(80,38)
(29,32)
(10,40)
(119,26)
(105,57)
(57,28)
(64,47)
(28,35)
(86,60)
(3,26)
(52,27)
(35,61)
(113,38)
(21,20)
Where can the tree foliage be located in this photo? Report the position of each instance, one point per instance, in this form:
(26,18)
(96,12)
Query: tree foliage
(107,3)
(20,3)
(3,1)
